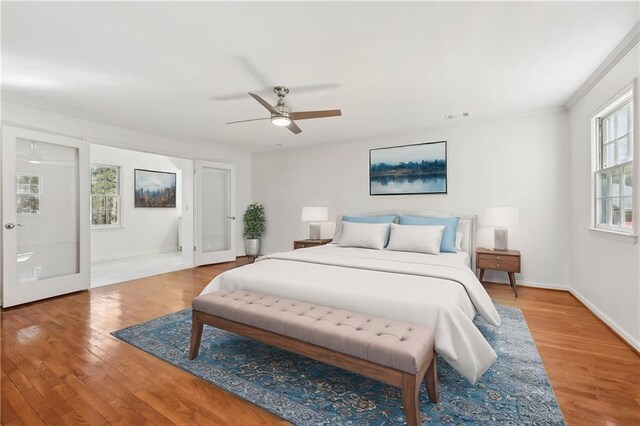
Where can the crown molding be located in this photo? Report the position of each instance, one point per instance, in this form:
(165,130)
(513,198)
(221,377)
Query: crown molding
(417,131)
(627,43)
(121,124)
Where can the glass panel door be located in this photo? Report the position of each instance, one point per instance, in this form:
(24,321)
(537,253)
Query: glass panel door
(215,234)
(45,226)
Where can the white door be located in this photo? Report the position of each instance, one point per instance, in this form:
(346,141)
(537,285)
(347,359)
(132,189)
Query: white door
(215,237)
(45,215)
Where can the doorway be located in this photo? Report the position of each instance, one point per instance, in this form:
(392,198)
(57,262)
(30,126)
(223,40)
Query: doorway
(71,219)
(141,214)
(45,190)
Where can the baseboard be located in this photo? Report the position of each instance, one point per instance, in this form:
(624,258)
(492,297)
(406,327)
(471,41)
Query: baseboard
(138,253)
(634,344)
(607,321)
(535,284)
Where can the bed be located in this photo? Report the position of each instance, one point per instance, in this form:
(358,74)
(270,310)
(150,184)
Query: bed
(436,291)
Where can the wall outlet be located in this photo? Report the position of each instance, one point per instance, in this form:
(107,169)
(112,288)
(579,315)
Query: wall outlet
(37,271)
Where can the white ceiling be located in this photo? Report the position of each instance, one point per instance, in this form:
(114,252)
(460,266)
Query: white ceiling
(390,67)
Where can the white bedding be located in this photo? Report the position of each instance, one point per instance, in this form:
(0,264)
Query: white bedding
(439,292)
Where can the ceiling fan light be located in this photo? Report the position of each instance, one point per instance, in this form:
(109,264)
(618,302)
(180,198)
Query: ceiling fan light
(280,121)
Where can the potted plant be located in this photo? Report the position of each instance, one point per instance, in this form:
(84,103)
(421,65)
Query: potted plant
(253,223)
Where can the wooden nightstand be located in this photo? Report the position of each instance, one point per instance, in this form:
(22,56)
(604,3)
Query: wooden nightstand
(499,260)
(298,244)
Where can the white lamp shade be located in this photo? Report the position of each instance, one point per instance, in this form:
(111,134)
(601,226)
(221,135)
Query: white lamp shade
(315,214)
(502,217)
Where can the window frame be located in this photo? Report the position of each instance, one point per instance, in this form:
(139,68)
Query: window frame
(120,223)
(38,194)
(626,97)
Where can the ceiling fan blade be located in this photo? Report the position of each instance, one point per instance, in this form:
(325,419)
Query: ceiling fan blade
(230,97)
(265,104)
(313,87)
(252,69)
(251,119)
(305,115)
(294,128)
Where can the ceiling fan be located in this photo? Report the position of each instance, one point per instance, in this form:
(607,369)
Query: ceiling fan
(281,115)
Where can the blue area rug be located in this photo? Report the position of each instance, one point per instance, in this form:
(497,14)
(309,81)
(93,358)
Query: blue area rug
(514,391)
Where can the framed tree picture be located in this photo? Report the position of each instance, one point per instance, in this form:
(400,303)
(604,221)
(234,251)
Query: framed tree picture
(154,188)
(408,169)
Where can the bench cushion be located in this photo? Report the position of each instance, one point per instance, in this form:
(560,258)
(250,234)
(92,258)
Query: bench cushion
(389,343)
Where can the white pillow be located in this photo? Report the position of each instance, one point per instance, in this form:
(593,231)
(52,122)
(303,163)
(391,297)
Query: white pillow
(420,239)
(367,235)
(459,236)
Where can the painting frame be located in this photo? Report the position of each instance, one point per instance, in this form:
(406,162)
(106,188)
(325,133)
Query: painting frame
(137,176)
(409,147)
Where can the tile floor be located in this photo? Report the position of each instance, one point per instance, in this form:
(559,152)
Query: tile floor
(105,272)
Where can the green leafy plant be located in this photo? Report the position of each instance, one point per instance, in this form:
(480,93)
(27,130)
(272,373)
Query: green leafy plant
(254,221)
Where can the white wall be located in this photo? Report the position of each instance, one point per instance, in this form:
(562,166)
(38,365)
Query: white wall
(94,131)
(605,272)
(520,161)
(141,230)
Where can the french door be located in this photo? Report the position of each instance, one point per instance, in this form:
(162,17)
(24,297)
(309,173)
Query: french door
(215,239)
(45,215)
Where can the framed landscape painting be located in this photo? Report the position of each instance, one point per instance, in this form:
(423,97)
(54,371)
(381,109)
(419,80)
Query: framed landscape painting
(408,169)
(154,189)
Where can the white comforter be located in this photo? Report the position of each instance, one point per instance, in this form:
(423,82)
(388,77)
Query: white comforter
(439,292)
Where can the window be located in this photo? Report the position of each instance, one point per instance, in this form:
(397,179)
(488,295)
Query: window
(28,192)
(105,195)
(613,174)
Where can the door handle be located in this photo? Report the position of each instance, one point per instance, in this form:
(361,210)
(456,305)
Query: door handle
(9,225)
(231,217)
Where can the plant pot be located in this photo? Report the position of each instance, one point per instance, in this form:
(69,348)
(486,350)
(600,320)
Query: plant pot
(252,247)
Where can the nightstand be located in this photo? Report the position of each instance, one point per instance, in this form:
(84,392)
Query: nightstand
(298,244)
(499,260)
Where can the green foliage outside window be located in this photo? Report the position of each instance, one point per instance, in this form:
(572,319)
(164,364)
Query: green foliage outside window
(105,195)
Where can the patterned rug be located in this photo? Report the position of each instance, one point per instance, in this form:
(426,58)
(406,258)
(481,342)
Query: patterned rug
(514,391)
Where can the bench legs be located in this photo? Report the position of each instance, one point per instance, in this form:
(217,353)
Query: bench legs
(196,335)
(411,388)
(410,382)
(432,381)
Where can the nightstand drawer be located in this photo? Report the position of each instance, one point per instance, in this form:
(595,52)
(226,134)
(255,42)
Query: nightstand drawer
(303,245)
(299,244)
(504,263)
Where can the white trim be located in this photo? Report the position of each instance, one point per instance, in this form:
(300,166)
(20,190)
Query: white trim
(611,323)
(135,253)
(615,235)
(627,43)
(628,94)
(622,334)
(534,284)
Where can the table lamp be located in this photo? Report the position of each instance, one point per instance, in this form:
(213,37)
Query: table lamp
(315,215)
(501,218)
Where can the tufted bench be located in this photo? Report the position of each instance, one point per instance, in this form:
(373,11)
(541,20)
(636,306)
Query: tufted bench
(395,353)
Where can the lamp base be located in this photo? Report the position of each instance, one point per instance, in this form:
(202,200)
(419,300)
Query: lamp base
(501,237)
(314,231)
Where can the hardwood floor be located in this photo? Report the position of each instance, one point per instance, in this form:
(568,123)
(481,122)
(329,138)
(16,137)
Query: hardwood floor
(60,365)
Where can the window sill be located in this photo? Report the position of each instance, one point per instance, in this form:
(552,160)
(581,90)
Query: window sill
(614,235)
(107,227)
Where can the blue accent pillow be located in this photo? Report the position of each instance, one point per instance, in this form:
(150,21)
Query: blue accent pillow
(448,244)
(370,219)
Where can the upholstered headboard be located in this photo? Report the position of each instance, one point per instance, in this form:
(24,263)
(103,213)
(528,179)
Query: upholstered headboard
(467,225)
